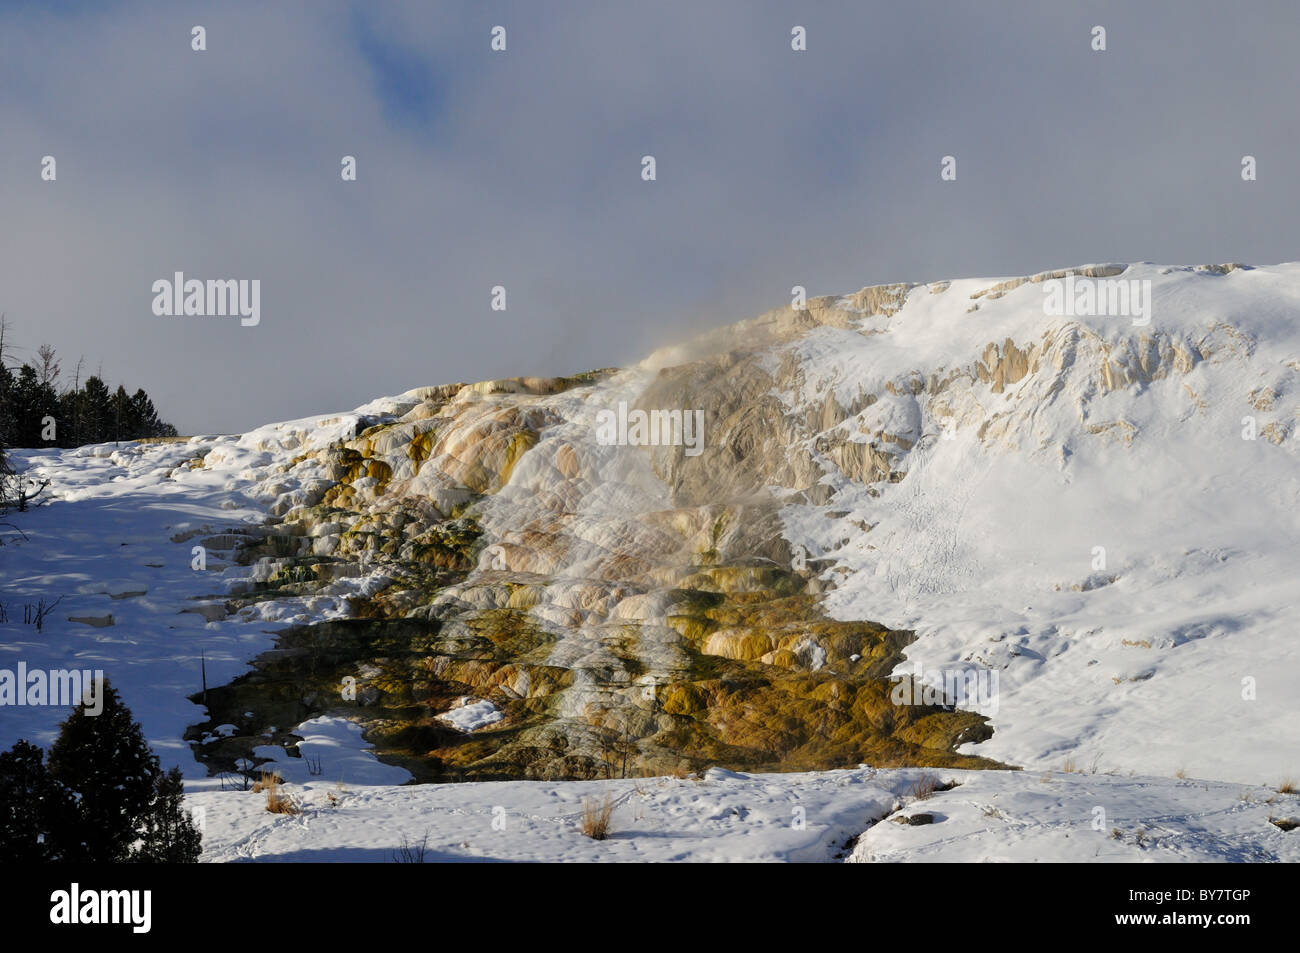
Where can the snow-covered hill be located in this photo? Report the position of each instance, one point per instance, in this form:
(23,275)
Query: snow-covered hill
(1094,516)
(1070,437)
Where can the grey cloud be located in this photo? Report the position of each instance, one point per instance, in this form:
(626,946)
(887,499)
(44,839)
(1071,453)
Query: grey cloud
(522,169)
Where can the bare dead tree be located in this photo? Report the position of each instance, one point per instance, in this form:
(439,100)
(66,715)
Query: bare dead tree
(47,367)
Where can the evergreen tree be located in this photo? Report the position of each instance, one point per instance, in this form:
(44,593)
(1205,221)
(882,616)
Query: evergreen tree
(96,411)
(169,835)
(32,401)
(104,760)
(123,427)
(145,416)
(70,418)
(34,808)
(102,797)
(24,400)
(72,410)
(7,422)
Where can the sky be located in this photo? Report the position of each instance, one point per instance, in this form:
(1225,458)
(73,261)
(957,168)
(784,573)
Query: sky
(522,169)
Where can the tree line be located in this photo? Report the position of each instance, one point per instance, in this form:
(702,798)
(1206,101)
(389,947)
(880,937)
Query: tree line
(41,407)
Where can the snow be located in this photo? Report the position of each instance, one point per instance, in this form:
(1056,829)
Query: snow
(107,531)
(1178,655)
(332,747)
(1179,652)
(469,714)
(724,816)
(124,519)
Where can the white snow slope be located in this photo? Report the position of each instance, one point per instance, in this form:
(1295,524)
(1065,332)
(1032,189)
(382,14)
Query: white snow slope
(723,816)
(1179,653)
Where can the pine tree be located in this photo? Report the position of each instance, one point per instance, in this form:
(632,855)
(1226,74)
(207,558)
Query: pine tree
(146,417)
(6,408)
(24,406)
(169,835)
(35,400)
(7,423)
(34,808)
(104,760)
(102,797)
(123,427)
(96,411)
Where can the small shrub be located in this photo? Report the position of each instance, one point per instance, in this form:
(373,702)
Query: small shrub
(36,613)
(410,852)
(277,802)
(335,797)
(596,817)
(928,784)
(925,786)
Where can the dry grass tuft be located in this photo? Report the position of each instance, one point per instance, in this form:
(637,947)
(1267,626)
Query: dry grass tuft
(1288,786)
(267,780)
(335,797)
(277,802)
(596,817)
(927,785)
